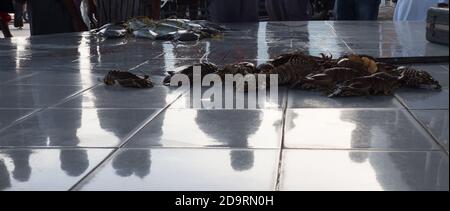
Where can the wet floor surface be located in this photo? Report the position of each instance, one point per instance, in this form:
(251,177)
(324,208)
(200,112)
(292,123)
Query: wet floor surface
(61,129)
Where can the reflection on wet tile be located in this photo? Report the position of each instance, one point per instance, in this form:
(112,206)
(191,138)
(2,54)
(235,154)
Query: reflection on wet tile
(446,67)
(8,116)
(308,99)
(187,170)
(28,96)
(437,121)
(362,170)
(8,76)
(249,100)
(354,129)
(59,79)
(74,128)
(119,97)
(161,66)
(185,50)
(46,169)
(424,99)
(62,71)
(212,128)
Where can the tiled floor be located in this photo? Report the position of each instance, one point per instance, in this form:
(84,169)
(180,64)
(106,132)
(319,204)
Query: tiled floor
(61,129)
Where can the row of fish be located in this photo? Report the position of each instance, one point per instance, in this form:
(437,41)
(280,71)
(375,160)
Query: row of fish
(349,75)
(167,29)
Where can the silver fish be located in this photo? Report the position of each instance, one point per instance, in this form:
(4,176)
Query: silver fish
(186,36)
(163,29)
(176,22)
(145,33)
(135,24)
(209,25)
(112,31)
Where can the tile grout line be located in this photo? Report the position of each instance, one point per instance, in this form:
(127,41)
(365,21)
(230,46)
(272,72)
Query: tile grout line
(345,42)
(424,127)
(6,83)
(100,164)
(33,111)
(283,128)
(39,110)
(50,148)
(126,141)
(363,149)
(148,120)
(145,123)
(445,68)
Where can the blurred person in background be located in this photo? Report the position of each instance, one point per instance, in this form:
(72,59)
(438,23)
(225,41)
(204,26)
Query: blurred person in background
(6,6)
(55,16)
(414,10)
(183,6)
(19,6)
(233,11)
(362,10)
(287,10)
(113,11)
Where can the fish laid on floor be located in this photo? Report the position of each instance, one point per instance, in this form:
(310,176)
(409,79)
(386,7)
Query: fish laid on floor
(349,75)
(112,31)
(168,29)
(127,79)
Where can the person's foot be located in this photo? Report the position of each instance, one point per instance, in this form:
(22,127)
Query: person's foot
(18,24)
(5,29)
(8,35)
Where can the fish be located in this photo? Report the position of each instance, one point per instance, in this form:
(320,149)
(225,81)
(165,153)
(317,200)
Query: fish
(163,28)
(176,22)
(145,33)
(112,31)
(168,29)
(186,36)
(135,24)
(210,25)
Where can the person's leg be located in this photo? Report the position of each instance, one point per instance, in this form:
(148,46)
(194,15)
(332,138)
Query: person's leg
(233,11)
(224,11)
(4,24)
(194,7)
(77,21)
(26,13)
(295,10)
(49,17)
(103,12)
(155,9)
(274,10)
(345,10)
(182,6)
(249,11)
(18,13)
(367,9)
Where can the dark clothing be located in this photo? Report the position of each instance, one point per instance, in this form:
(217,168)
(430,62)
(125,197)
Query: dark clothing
(113,11)
(287,10)
(49,17)
(233,10)
(18,13)
(184,5)
(6,6)
(358,9)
